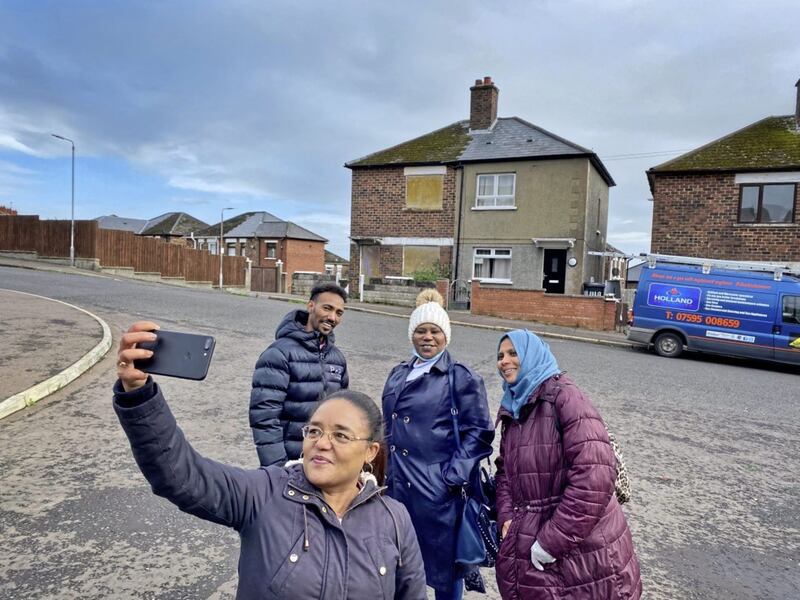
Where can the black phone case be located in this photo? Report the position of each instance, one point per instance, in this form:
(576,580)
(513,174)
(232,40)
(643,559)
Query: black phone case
(184,355)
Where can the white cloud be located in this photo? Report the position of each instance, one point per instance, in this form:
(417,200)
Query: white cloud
(11,143)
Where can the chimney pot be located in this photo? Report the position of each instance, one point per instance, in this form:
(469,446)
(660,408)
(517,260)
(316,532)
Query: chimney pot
(483,104)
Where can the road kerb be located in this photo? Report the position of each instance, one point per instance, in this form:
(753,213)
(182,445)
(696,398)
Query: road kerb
(43,389)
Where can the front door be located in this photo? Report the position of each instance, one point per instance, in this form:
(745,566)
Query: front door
(555,271)
(370,262)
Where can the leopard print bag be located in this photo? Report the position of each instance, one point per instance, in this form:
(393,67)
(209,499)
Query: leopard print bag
(622,485)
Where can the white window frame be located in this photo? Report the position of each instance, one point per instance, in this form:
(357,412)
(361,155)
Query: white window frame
(493,254)
(494,196)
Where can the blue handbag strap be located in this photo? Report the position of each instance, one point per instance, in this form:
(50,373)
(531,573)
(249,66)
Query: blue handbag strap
(454,412)
(453,407)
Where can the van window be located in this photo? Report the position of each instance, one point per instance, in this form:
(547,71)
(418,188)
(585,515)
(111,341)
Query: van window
(791,309)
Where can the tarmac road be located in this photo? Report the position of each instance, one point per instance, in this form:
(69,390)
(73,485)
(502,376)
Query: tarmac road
(712,446)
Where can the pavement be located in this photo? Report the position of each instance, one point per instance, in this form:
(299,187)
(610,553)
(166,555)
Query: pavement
(48,343)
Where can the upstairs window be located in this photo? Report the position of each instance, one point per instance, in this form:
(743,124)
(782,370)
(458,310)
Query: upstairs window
(767,203)
(424,187)
(272,249)
(492,264)
(496,191)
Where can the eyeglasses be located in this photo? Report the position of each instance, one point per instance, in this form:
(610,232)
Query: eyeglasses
(340,438)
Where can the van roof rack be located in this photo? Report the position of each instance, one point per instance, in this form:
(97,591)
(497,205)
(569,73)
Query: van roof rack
(778,270)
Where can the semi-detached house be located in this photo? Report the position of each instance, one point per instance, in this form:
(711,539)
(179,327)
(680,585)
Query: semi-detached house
(499,200)
(735,198)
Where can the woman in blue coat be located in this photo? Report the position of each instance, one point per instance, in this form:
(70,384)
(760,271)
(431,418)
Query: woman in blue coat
(425,469)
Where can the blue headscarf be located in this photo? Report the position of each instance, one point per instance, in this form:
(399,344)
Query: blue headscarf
(536,363)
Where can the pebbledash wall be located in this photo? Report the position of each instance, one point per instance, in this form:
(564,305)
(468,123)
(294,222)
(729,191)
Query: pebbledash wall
(586,312)
(398,292)
(379,210)
(697,215)
(302,283)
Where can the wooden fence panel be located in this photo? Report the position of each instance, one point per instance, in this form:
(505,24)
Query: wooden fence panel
(234,270)
(19,233)
(117,249)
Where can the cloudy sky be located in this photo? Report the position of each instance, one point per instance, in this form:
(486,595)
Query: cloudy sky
(256,105)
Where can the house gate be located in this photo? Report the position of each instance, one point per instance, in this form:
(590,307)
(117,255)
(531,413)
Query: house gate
(460,290)
(264,279)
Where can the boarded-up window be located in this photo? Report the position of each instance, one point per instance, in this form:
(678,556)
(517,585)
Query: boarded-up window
(424,192)
(419,258)
(371,261)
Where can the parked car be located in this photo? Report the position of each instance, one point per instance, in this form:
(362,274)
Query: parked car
(749,310)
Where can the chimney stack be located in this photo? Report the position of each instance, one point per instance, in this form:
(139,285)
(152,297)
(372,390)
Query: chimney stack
(483,104)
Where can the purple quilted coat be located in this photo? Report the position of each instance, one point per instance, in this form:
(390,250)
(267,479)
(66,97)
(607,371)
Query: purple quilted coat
(555,481)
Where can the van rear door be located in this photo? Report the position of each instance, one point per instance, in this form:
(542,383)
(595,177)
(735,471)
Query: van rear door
(787,329)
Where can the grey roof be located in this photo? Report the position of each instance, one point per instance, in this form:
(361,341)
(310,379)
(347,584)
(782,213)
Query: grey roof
(511,138)
(172,223)
(120,223)
(330,257)
(262,225)
(514,138)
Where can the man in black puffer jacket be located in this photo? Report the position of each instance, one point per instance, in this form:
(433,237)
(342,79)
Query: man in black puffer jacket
(299,368)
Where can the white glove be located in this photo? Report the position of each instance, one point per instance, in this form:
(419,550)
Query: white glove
(540,556)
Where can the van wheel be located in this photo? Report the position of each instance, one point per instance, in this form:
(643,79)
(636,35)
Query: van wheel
(668,344)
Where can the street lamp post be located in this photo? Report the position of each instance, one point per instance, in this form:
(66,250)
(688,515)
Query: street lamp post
(221,253)
(72,211)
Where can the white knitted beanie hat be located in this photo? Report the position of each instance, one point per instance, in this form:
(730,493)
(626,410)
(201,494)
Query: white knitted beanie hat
(429,310)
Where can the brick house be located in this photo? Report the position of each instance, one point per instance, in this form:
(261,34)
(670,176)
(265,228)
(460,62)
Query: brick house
(265,239)
(735,198)
(498,200)
(4,210)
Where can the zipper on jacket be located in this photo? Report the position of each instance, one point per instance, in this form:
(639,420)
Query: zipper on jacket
(325,569)
(324,375)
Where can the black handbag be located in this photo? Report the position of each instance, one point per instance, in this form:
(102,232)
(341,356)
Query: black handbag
(477,541)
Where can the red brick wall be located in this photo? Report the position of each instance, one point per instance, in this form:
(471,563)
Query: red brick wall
(301,255)
(378,210)
(378,206)
(443,287)
(696,215)
(586,312)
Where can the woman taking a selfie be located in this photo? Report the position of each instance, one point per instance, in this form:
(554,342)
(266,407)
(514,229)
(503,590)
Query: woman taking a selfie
(564,533)
(426,467)
(316,530)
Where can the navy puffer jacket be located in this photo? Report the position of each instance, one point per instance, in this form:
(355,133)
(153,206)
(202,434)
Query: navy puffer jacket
(291,376)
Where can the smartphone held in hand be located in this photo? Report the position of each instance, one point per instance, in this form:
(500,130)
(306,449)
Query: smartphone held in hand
(175,354)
